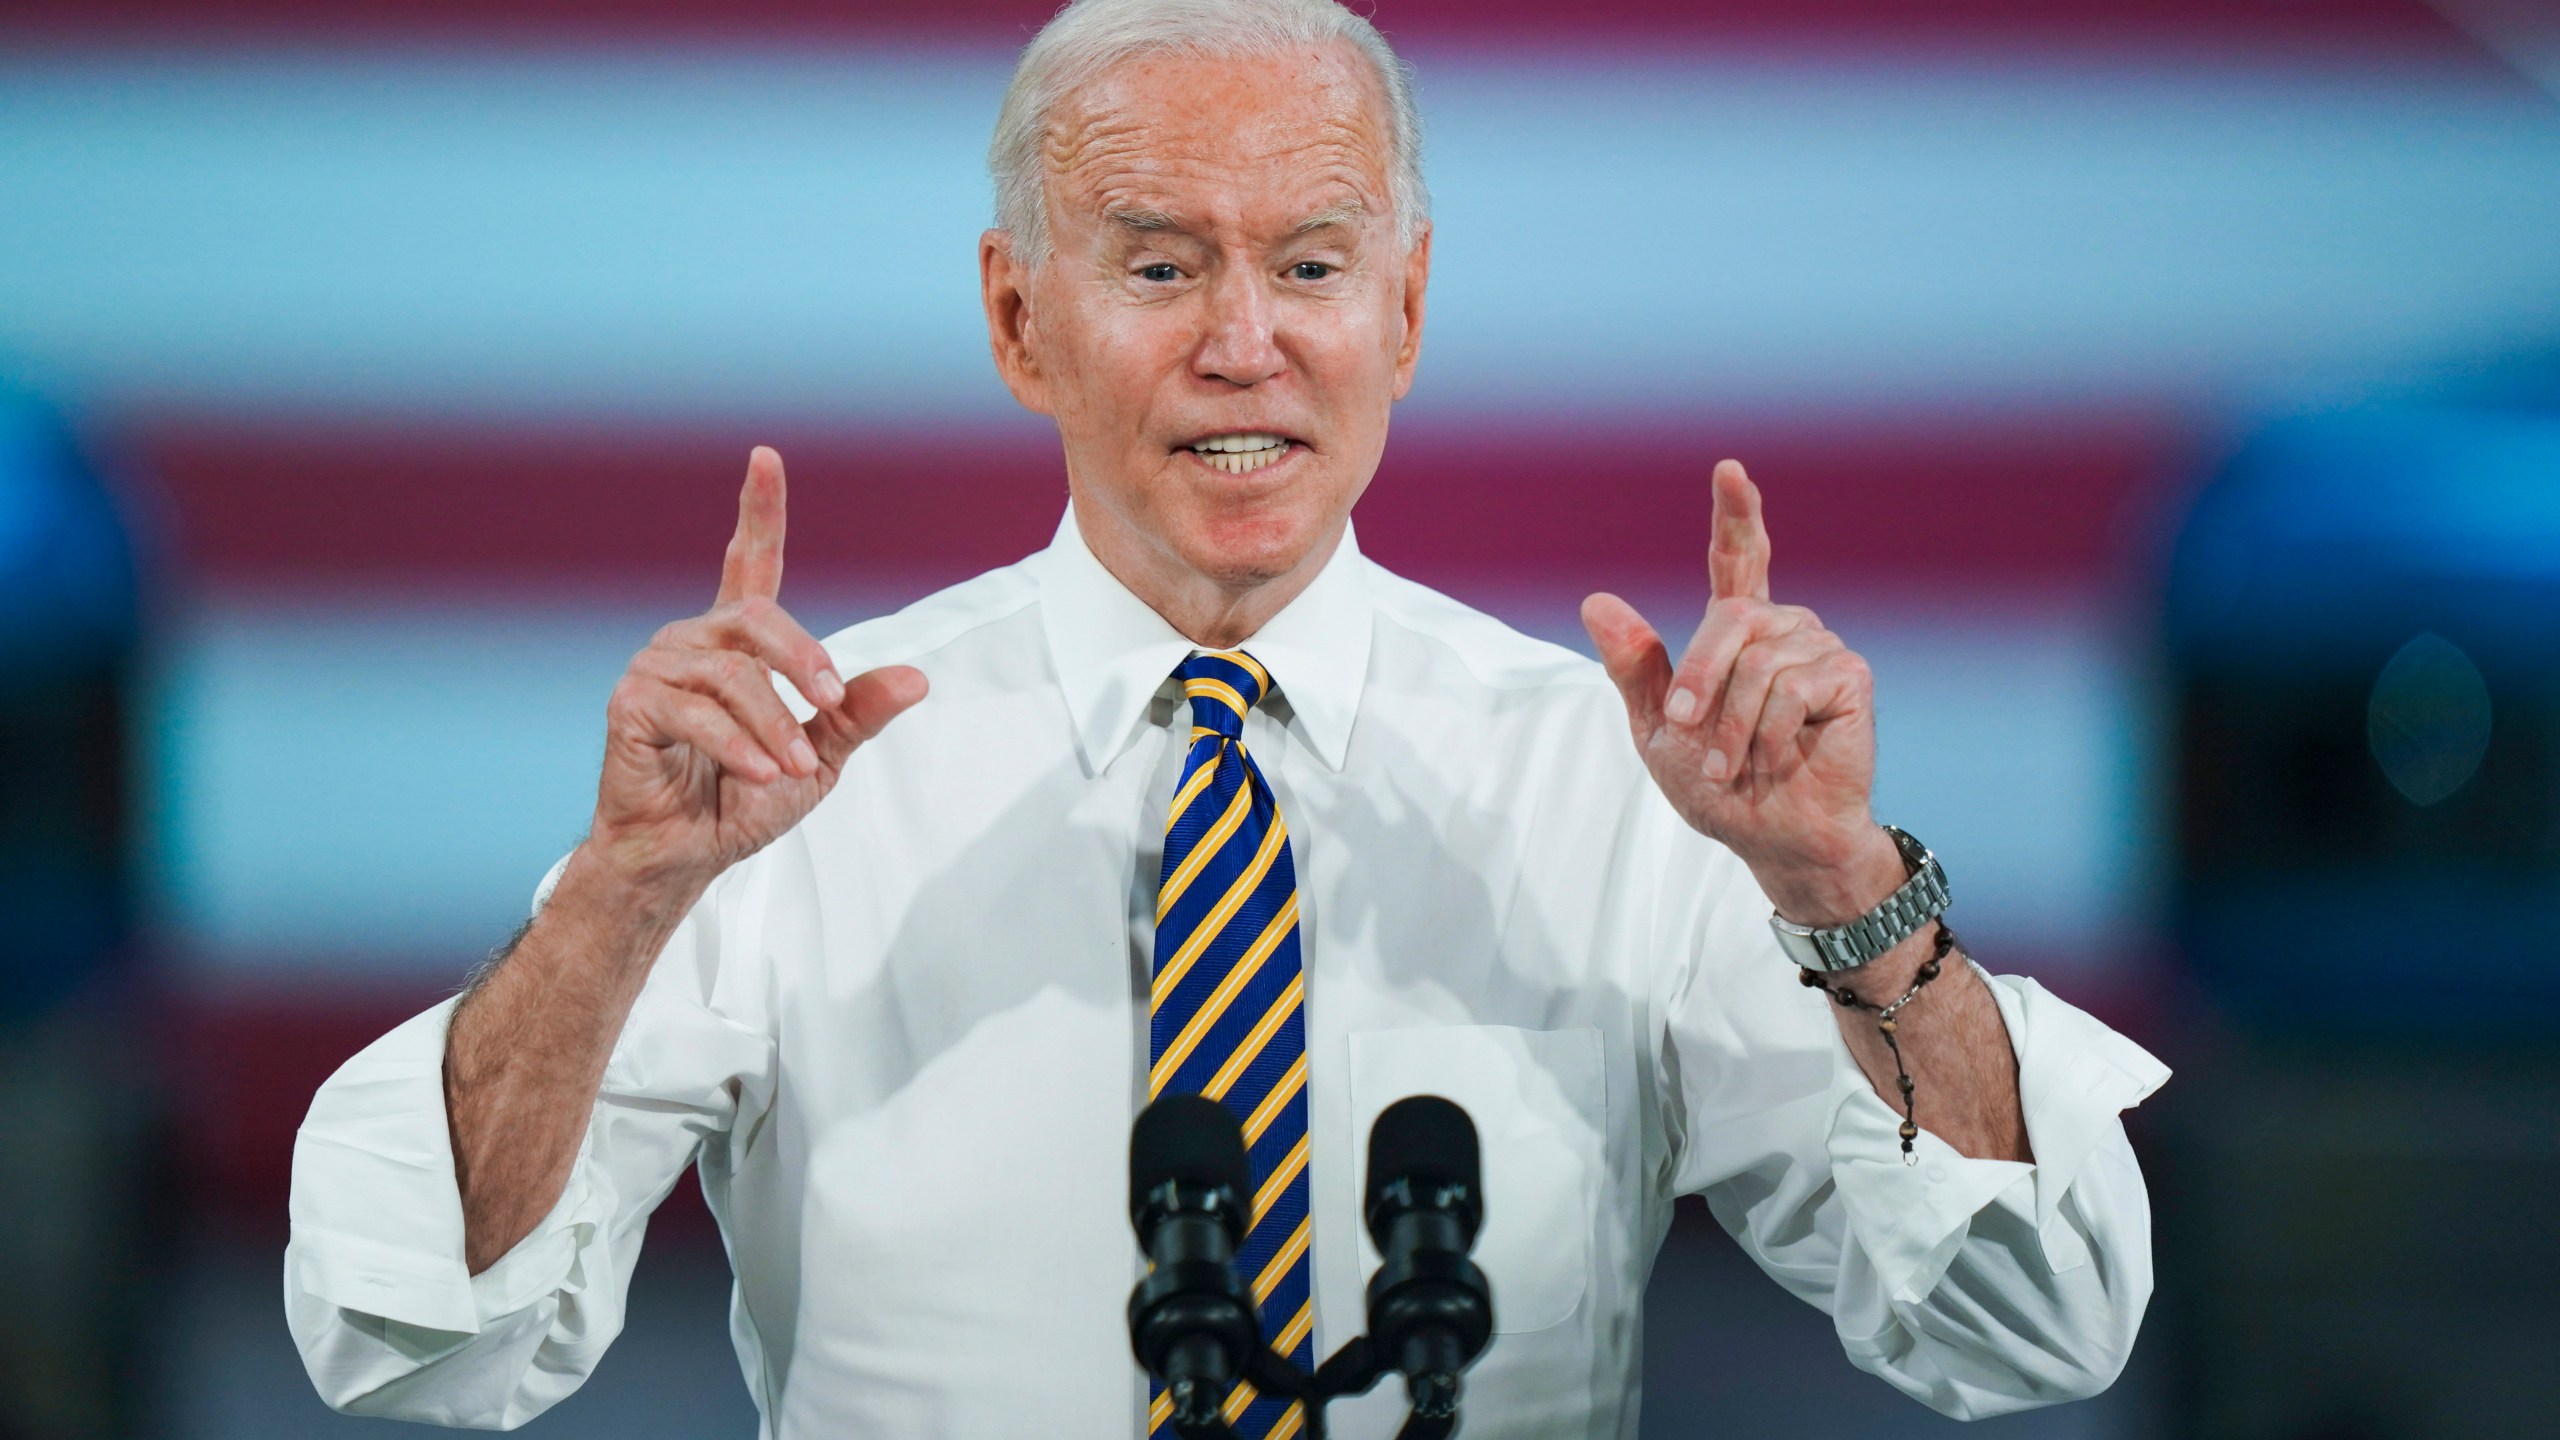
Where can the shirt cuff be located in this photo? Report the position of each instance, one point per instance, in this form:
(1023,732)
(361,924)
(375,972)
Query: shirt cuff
(2074,1076)
(377,1213)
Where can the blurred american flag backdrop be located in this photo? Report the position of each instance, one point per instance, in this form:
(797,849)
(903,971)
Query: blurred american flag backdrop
(426,340)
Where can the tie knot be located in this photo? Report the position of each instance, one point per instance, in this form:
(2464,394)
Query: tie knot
(1221,686)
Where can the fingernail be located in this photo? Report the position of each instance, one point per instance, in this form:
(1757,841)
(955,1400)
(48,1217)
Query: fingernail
(803,759)
(830,689)
(1682,706)
(1717,765)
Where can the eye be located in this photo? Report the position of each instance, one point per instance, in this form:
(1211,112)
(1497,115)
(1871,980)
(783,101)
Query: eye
(1309,270)
(1159,272)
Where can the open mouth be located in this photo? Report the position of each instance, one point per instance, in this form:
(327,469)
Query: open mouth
(1241,452)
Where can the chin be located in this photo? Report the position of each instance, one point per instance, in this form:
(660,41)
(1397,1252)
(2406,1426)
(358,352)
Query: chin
(1250,549)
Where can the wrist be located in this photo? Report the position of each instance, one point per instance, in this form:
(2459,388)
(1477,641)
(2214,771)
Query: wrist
(618,892)
(1838,885)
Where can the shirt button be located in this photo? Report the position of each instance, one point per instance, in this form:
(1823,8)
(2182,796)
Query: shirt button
(1937,1172)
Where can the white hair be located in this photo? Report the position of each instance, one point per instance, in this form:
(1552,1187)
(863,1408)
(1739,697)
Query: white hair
(1089,37)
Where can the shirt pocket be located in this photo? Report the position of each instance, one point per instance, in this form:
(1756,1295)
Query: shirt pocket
(1539,1105)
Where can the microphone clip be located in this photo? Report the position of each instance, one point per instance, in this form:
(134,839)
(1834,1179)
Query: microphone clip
(1351,1370)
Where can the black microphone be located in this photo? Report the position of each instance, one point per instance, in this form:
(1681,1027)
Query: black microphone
(1192,1320)
(1430,1308)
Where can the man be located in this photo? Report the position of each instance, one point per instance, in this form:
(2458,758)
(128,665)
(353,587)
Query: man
(1205,801)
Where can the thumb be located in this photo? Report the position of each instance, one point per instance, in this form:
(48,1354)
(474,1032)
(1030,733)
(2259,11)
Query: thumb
(1634,656)
(871,700)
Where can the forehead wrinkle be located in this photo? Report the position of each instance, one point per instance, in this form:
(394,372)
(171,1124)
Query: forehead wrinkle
(1128,152)
(1127,160)
(1069,147)
(1325,188)
(1331,82)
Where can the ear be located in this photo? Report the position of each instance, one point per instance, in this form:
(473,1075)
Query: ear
(1417,278)
(1004,286)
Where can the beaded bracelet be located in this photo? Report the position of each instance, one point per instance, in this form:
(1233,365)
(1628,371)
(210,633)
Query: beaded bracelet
(1885,1026)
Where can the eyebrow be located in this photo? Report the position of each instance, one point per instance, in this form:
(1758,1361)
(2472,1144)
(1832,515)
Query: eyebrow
(1348,212)
(1138,219)
(1141,219)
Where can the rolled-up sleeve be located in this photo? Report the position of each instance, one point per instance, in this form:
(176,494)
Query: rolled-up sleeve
(1978,1287)
(389,1319)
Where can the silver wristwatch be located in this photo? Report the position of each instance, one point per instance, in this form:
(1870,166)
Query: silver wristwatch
(1903,914)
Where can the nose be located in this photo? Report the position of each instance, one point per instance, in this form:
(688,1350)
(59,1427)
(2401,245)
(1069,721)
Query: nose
(1239,346)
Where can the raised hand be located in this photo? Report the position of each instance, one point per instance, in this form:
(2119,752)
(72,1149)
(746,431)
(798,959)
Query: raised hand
(1763,736)
(703,766)
(703,763)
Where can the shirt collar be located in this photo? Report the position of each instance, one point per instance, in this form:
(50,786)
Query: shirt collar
(1112,651)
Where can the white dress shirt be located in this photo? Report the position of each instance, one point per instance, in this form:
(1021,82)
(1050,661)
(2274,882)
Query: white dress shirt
(904,1044)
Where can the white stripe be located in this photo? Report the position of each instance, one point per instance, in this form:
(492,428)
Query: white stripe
(557,231)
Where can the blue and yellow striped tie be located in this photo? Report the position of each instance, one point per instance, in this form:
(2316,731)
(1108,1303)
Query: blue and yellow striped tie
(1227,1006)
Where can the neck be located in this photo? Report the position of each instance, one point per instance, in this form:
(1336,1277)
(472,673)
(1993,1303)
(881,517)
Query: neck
(1210,612)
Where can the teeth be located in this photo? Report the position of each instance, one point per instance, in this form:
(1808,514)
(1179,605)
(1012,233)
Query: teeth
(1242,462)
(1241,454)
(1239,443)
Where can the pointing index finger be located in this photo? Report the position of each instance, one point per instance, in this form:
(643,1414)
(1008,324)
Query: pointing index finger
(753,567)
(1738,557)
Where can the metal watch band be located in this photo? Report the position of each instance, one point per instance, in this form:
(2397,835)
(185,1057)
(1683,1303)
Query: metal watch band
(1903,914)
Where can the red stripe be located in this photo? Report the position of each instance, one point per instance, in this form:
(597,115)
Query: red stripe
(241,1065)
(2389,21)
(349,501)
(2015,499)
(2012,500)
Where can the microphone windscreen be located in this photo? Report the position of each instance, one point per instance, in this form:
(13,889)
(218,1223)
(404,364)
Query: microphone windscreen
(1189,1138)
(1424,1138)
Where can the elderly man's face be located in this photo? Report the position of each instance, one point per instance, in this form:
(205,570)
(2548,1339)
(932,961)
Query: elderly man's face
(1226,315)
